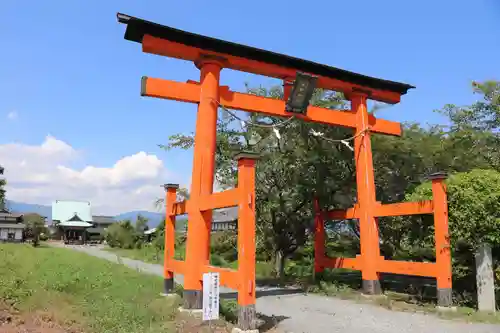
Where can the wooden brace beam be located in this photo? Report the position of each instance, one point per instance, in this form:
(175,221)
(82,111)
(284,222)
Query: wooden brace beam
(176,266)
(228,277)
(405,208)
(190,93)
(217,200)
(425,269)
(228,198)
(396,209)
(349,263)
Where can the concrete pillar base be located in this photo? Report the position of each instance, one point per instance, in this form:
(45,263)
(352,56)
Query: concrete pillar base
(247,318)
(168,286)
(194,312)
(372,287)
(193,299)
(239,330)
(444,297)
(446,308)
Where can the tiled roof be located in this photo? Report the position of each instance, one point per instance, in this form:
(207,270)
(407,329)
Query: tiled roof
(103,219)
(12,225)
(75,224)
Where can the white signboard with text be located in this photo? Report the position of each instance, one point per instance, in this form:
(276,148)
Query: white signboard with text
(211,283)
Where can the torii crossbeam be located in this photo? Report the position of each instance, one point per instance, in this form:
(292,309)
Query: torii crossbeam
(211,56)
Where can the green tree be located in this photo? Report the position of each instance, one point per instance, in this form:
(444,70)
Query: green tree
(483,115)
(35,226)
(469,141)
(3,182)
(141,225)
(474,133)
(121,234)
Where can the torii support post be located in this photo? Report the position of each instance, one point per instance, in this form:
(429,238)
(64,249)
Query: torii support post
(319,239)
(441,269)
(246,240)
(243,279)
(169,248)
(442,239)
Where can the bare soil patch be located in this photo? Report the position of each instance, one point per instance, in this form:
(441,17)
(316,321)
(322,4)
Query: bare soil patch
(12,321)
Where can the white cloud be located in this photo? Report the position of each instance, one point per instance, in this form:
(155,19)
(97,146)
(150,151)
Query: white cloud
(43,173)
(12,115)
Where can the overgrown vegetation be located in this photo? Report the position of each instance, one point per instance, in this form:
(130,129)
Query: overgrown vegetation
(86,294)
(35,228)
(126,235)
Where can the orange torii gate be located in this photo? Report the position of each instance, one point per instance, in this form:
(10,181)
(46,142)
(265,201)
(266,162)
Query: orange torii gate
(212,55)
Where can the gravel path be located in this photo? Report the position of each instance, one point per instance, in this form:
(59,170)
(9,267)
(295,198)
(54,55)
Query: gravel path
(300,313)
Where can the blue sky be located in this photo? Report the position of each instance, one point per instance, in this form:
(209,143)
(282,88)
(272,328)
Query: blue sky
(67,71)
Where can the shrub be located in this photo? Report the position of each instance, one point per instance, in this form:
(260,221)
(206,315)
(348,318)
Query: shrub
(121,234)
(474,206)
(474,218)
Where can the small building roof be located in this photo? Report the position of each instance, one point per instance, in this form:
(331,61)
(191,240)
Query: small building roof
(225,215)
(11,217)
(150,231)
(75,224)
(96,230)
(12,225)
(103,219)
(75,218)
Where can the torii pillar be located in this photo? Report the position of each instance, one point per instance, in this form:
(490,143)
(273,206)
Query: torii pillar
(200,223)
(366,195)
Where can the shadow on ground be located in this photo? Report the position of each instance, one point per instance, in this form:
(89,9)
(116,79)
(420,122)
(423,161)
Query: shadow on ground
(266,292)
(269,322)
(420,289)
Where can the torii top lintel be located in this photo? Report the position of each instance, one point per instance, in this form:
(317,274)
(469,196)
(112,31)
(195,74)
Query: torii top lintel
(171,42)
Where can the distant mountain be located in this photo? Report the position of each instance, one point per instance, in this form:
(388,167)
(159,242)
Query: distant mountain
(153,217)
(21,207)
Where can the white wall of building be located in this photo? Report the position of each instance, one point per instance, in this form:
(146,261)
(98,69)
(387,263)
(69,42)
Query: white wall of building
(4,233)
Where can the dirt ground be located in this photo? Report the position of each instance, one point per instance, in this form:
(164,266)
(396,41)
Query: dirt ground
(11,321)
(37,322)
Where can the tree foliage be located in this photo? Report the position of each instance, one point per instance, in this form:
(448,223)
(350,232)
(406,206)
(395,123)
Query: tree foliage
(474,206)
(125,234)
(3,182)
(35,227)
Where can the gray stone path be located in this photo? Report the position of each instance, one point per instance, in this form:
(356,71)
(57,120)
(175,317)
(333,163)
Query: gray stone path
(301,313)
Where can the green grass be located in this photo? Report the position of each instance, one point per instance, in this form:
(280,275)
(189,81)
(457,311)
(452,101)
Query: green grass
(96,295)
(146,253)
(149,254)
